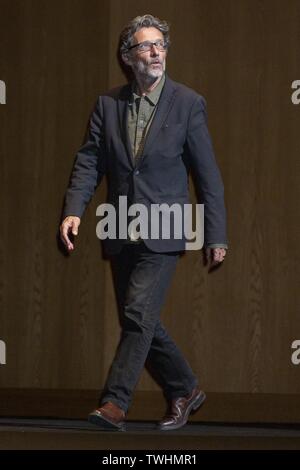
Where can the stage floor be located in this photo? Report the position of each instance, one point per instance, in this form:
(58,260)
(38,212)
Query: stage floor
(49,433)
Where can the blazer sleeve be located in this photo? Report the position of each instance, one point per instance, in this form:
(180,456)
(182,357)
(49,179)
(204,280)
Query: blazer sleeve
(89,166)
(207,175)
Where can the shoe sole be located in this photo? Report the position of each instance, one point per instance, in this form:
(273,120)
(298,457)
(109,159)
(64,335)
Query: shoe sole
(104,423)
(194,406)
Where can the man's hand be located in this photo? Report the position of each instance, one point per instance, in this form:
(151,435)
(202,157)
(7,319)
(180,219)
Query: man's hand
(214,256)
(70,223)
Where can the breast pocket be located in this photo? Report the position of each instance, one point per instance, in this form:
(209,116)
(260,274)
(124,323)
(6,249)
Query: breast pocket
(171,139)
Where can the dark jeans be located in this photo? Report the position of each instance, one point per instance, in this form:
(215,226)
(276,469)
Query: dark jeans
(141,279)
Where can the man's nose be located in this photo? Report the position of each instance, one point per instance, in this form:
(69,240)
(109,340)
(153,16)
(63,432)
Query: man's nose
(154,50)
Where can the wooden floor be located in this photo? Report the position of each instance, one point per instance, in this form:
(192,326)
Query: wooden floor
(49,433)
(56,419)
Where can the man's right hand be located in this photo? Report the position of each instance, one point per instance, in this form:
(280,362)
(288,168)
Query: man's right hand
(70,223)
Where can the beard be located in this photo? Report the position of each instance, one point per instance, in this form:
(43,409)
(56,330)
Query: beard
(148,72)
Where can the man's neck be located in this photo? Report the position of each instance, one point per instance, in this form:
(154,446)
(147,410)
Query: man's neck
(145,87)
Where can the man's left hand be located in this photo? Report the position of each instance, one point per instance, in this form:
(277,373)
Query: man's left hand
(214,256)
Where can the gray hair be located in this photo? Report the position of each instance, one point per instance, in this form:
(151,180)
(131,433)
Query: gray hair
(145,21)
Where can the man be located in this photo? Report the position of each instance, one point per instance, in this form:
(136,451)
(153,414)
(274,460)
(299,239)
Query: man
(146,136)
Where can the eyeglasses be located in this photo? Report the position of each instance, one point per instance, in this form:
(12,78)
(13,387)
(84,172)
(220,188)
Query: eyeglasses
(146,46)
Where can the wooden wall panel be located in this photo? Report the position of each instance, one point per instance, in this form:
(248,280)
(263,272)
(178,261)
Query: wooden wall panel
(58,315)
(53,60)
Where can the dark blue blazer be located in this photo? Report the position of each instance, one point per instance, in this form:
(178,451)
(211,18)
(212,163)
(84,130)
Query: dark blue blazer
(178,141)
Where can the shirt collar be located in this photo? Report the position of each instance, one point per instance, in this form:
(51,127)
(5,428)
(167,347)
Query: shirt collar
(153,96)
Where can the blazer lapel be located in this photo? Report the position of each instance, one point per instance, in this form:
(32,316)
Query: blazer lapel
(123,121)
(163,108)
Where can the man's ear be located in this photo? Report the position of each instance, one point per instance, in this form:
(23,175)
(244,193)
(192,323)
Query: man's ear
(126,59)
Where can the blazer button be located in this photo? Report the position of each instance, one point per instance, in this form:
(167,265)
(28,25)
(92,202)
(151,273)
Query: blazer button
(137,172)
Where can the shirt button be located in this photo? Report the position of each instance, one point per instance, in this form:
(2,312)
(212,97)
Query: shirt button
(137,172)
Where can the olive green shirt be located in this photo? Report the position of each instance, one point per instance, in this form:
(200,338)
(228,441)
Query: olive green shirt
(141,111)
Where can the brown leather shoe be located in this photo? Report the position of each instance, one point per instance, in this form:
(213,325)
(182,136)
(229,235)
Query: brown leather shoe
(181,409)
(109,416)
